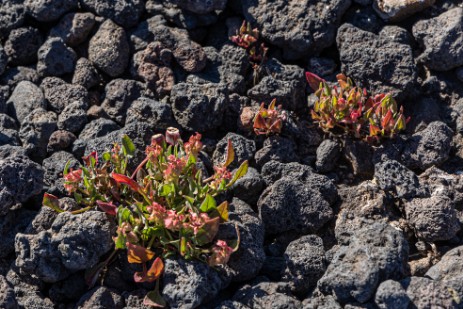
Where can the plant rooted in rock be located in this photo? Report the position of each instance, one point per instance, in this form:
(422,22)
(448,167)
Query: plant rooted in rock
(351,110)
(163,208)
(269,120)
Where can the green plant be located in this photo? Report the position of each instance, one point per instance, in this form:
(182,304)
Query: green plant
(351,110)
(269,120)
(248,39)
(163,208)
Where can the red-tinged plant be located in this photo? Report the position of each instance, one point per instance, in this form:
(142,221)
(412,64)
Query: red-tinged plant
(163,208)
(351,110)
(248,39)
(269,120)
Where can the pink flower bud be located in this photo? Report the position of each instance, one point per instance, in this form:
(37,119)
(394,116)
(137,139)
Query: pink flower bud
(172,135)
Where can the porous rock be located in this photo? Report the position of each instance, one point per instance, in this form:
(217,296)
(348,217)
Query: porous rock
(55,58)
(25,98)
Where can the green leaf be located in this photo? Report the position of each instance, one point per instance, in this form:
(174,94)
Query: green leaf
(66,167)
(78,197)
(120,242)
(208,204)
(165,190)
(154,298)
(106,156)
(191,159)
(222,209)
(190,199)
(51,201)
(128,145)
(242,170)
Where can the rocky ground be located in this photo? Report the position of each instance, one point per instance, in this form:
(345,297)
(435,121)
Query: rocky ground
(325,222)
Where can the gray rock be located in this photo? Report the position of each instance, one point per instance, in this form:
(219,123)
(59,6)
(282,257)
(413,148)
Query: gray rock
(199,107)
(73,118)
(360,155)
(12,14)
(244,150)
(365,18)
(292,205)
(69,290)
(54,167)
(22,46)
(14,75)
(432,218)
(443,49)
(200,7)
(60,140)
(320,301)
(119,95)
(85,74)
(391,294)
(42,221)
(20,179)
(13,222)
(109,49)
(262,294)
(305,263)
(35,132)
(375,253)
(393,176)
(98,128)
(428,147)
(283,82)
(7,297)
(4,94)
(189,54)
(249,187)
(74,28)
(73,243)
(60,94)
(12,151)
(25,98)
(47,11)
(327,154)
(313,29)
(134,299)
(247,261)
(55,58)
(9,137)
(187,284)
(395,10)
(229,304)
(449,267)
(276,148)
(7,122)
(126,13)
(377,62)
(323,67)
(101,297)
(158,114)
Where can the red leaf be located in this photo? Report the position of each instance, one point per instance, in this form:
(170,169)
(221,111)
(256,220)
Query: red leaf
(108,208)
(313,80)
(386,119)
(138,254)
(122,179)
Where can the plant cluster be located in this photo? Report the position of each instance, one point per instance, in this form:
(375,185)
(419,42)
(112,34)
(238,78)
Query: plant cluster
(163,208)
(351,110)
(269,120)
(248,39)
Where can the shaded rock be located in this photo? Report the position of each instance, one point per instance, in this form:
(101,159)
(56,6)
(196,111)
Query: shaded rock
(70,290)
(12,14)
(11,223)
(7,122)
(73,118)
(443,48)
(375,253)
(365,18)
(47,11)
(327,154)
(41,222)
(97,128)
(391,294)
(74,28)
(158,114)
(60,140)
(22,46)
(187,284)
(7,297)
(35,132)
(109,49)
(428,147)
(85,74)
(119,96)
(9,137)
(292,205)
(396,10)
(276,148)
(12,151)
(323,67)
(262,294)
(393,176)
(55,58)
(200,7)
(312,29)
(249,187)
(199,107)
(126,13)
(377,62)
(432,218)
(305,263)
(25,98)
(319,301)
(74,242)
(101,297)
(20,179)
(244,150)
(14,75)
(60,94)
(360,155)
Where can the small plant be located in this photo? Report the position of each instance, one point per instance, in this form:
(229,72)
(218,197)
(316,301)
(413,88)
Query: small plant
(269,120)
(350,110)
(248,39)
(163,208)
